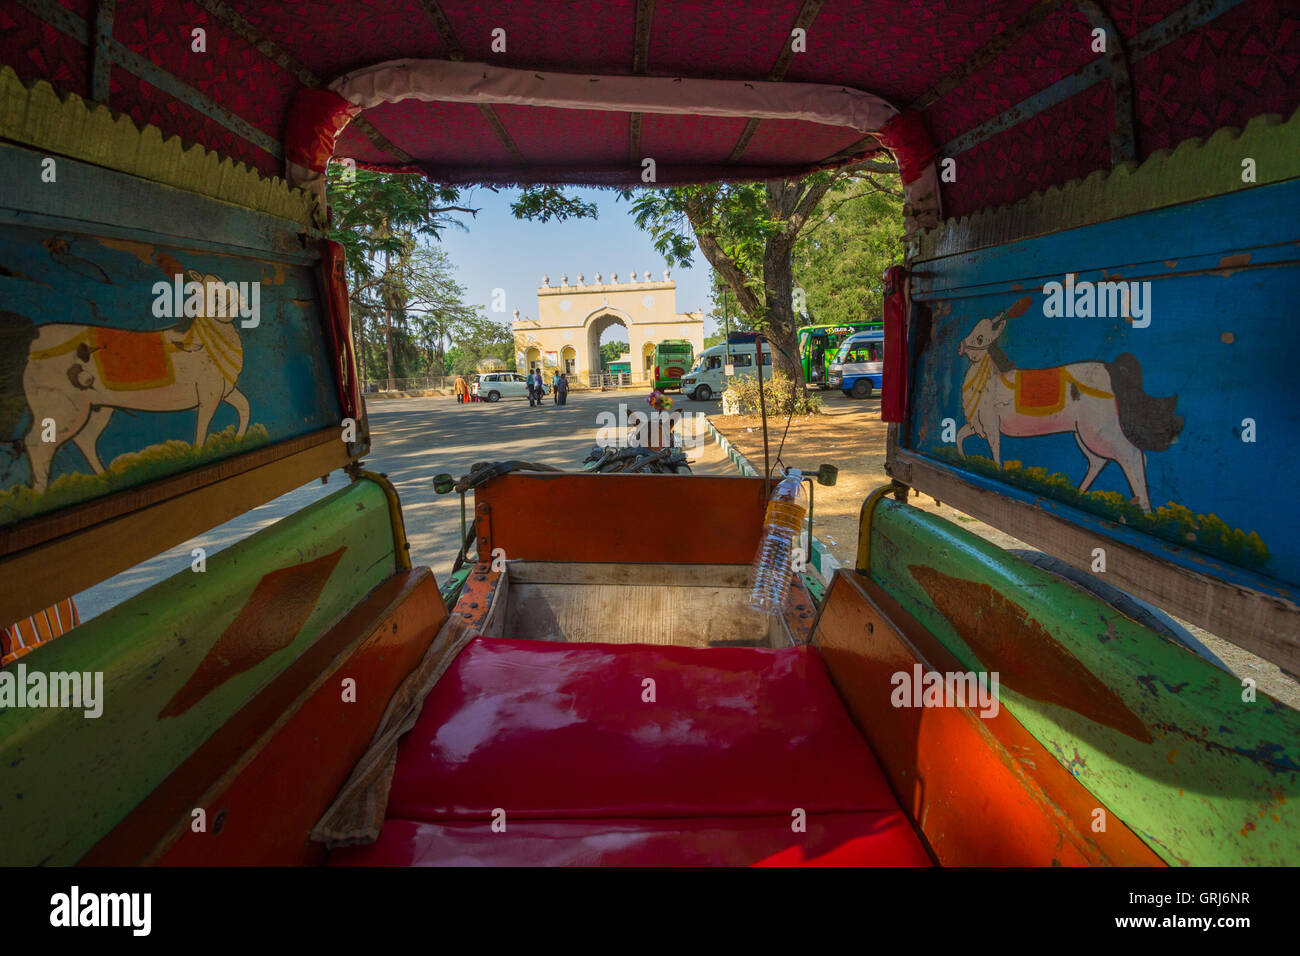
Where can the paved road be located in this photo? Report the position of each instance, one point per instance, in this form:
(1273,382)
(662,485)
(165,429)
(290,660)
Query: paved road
(412,440)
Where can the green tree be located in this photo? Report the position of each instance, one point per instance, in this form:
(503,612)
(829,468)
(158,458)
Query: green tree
(610,352)
(840,258)
(480,340)
(748,233)
(379,219)
(434,305)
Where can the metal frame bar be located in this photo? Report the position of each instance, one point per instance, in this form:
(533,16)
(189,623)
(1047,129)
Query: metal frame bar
(276,54)
(645,10)
(457,53)
(807,14)
(102,63)
(1171,28)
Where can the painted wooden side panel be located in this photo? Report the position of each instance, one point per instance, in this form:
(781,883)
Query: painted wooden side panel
(981,789)
(268,810)
(115,373)
(176,662)
(538,513)
(1161,737)
(1166,419)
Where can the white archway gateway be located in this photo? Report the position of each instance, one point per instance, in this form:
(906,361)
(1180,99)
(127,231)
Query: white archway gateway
(572,316)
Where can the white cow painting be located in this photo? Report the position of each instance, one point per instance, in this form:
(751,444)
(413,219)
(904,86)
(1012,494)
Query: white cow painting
(77,376)
(1101,403)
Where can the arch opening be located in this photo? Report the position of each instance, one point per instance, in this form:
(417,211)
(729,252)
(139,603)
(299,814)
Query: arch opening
(605,330)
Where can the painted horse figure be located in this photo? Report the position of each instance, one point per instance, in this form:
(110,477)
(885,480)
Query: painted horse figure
(78,375)
(1102,403)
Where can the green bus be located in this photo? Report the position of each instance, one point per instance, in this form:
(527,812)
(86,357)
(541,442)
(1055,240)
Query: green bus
(673,357)
(819,343)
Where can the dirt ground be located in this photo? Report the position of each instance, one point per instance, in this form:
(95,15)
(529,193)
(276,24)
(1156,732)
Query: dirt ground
(850,435)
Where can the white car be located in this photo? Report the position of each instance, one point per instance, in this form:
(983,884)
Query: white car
(495,386)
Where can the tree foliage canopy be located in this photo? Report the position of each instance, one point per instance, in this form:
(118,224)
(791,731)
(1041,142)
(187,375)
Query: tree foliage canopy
(751,234)
(410,315)
(840,259)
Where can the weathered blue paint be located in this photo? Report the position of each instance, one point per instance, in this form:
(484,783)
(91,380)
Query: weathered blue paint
(1223,277)
(66,279)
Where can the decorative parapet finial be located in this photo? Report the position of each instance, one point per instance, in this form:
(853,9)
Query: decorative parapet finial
(546,281)
(516,315)
(597,278)
(579,278)
(564,278)
(632,276)
(667,273)
(613,278)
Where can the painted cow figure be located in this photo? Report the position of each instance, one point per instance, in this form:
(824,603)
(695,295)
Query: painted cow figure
(78,375)
(1101,403)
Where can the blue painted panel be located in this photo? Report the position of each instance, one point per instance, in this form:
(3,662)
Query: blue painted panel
(1162,409)
(130,395)
(1164,243)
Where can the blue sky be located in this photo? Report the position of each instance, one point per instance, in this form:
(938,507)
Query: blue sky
(500,251)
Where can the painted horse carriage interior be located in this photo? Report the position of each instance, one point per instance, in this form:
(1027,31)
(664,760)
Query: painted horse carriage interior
(1089,346)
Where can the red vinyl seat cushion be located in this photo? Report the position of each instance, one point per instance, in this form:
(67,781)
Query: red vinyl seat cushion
(591,763)
(876,838)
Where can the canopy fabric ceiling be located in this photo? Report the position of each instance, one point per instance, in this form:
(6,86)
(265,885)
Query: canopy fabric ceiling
(1012,90)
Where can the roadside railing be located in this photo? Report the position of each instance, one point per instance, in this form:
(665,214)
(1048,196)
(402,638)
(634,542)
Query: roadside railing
(597,380)
(604,380)
(413,384)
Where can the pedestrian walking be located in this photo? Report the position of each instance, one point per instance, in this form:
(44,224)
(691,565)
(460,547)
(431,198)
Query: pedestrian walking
(555,387)
(532,392)
(462,390)
(562,390)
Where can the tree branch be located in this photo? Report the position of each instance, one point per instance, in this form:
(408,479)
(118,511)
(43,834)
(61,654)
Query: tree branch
(723,263)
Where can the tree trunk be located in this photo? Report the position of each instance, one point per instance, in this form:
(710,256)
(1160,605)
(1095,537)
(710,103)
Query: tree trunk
(359,343)
(388,324)
(791,202)
(778,286)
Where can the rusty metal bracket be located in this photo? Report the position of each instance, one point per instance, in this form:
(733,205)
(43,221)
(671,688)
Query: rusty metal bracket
(483,523)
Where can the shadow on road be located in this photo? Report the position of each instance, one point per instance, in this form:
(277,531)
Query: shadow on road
(412,440)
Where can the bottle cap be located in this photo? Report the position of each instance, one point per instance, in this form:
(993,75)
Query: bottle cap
(794,473)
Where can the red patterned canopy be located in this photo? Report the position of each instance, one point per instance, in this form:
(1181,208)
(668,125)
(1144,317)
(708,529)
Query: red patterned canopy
(1016,92)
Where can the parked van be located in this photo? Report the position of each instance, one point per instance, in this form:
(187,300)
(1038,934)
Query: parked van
(858,366)
(708,376)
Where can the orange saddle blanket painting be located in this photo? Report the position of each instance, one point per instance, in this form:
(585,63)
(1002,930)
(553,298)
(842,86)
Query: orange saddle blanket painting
(130,360)
(1039,391)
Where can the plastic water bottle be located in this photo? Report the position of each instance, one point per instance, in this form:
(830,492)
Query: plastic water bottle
(769,577)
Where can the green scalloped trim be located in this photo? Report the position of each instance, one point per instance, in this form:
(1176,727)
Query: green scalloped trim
(67,125)
(1194,169)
